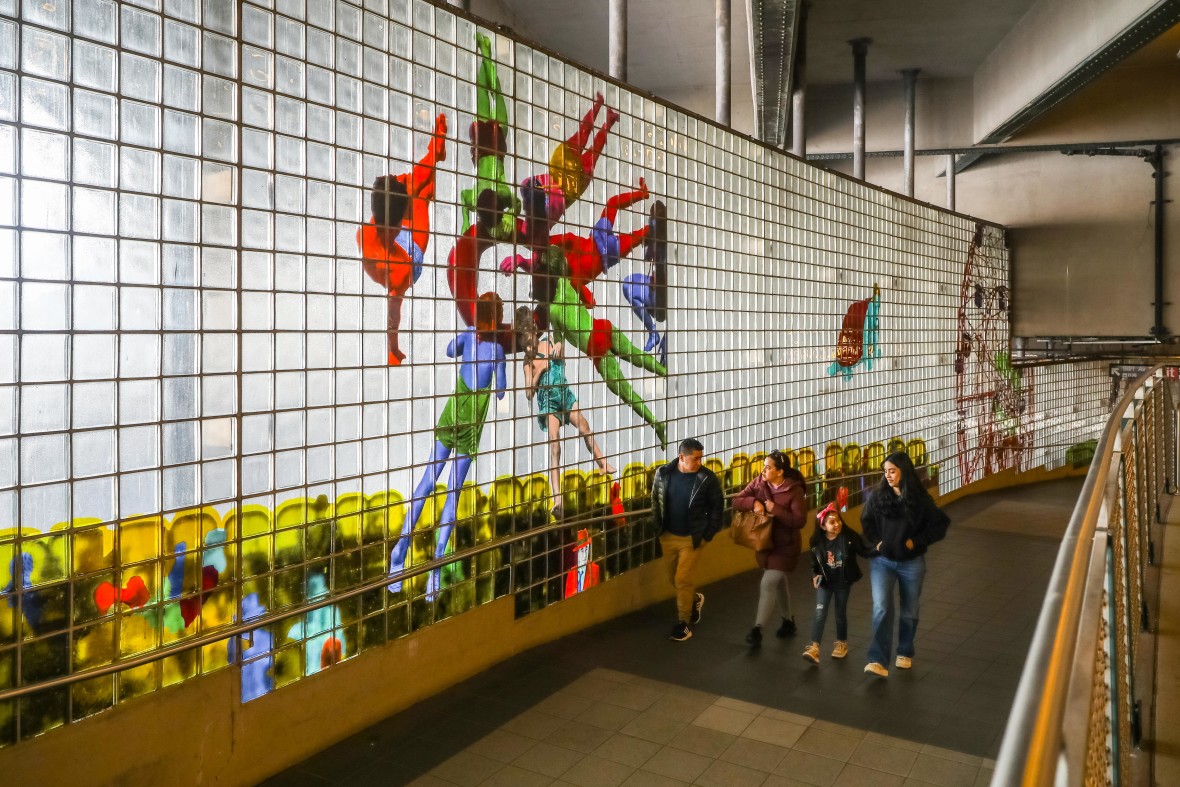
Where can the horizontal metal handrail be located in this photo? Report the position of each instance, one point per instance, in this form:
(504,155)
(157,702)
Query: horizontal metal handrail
(246,627)
(264,620)
(1033,736)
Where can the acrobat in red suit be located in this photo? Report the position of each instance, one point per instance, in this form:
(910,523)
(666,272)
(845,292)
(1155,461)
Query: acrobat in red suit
(586,574)
(588,258)
(571,168)
(393,243)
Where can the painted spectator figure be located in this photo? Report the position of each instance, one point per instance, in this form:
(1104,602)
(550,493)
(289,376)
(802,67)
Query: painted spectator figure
(687,503)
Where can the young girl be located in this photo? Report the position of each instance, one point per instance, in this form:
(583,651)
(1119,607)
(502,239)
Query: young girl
(833,562)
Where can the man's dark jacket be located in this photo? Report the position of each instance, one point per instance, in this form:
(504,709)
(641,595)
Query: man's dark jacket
(706,503)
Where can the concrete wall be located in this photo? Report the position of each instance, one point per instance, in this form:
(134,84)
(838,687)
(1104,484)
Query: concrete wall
(1081,228)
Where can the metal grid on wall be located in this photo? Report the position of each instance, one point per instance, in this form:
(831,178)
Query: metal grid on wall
(199,421)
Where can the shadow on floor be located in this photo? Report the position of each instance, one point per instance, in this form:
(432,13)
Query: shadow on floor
(983,592)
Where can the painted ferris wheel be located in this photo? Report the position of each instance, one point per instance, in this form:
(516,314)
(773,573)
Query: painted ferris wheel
(994,401)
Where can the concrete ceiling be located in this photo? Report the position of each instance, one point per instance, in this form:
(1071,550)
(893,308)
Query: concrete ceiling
(671,42)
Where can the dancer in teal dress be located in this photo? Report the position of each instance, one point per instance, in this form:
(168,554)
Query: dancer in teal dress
(546,384)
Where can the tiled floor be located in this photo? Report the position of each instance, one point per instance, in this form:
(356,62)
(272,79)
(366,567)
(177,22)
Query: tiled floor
(621,704)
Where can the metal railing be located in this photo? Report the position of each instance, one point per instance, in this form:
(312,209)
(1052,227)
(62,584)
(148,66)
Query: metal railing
(1087,681)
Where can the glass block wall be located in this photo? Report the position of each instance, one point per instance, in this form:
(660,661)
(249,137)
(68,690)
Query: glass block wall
(296,295)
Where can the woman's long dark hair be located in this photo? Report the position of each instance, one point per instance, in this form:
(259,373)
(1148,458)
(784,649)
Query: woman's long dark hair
(783,464)
(912,491)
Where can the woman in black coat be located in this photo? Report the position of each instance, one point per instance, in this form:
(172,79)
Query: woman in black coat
(901,521)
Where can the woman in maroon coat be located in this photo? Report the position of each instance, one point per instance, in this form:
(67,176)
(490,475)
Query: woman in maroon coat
(778,491)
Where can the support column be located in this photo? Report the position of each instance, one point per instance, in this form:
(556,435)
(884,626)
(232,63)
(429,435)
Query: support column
(462,4)
(860,48)
(910,83)
(723,62)
(617,27)
(950,181)
(799,89)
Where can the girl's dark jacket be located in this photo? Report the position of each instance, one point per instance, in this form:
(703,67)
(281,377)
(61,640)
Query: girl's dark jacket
(790,513)
(853,545)
(890,520)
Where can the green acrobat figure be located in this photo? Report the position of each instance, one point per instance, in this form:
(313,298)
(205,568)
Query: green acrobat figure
(601,342)
(489,145)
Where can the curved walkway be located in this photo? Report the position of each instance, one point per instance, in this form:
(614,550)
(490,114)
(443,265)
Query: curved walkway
(619,704)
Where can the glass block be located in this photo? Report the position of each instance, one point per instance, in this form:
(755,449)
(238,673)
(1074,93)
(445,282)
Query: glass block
(139,401)
(95,66)
(257,230)
(139,262)
(44,458)
(290,37)
(94,453)
(219,140)
(220,56)
(44,358)
(289,155)
(139,355)
(289,76)
(44,104)
(45,54)
(44,408)
(8,201)
(94,211)
(140,77)
(96,19)
(218,225)
(45,205)
(181,220)
(188,10)
(348,21)
(52,14)
(139,124)
(139,309)
(257,67)
(321,86)
(94,163)
(94,259)
(139,493)
(182,132)
(95,115)
(139,216)
(257,149)
(181,88)
(290,117)
(182,44)
(220,98)
(181,177)
(95,309)
(257,108)
(45,155)
(257,26)
(139,170)
(140,32)
(8,93)
(257,189)
(8,149)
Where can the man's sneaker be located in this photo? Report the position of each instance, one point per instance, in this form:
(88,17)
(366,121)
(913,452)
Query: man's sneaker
(877,669)
(839,650)
(681,632)
(697,603)
(904,662)
(787,629)
(754,638)
(811,652)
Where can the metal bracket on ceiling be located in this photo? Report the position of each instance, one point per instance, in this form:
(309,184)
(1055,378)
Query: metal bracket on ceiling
(773,28)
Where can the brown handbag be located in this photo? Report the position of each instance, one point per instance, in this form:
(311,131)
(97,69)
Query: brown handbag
(749,529)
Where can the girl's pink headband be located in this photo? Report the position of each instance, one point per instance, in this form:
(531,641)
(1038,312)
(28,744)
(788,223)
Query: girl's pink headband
(831,509)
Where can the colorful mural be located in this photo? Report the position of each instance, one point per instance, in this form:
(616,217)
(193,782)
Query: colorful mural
(284,326)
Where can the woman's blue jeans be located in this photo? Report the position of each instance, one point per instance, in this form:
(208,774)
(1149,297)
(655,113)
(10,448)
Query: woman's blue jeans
(907,575)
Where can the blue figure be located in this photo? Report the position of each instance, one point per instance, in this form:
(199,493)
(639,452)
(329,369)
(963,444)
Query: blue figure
(648,292)
(322,648)
(458,430)
(31,605)
(257,675)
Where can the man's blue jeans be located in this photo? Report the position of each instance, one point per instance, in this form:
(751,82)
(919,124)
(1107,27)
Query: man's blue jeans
(907,575)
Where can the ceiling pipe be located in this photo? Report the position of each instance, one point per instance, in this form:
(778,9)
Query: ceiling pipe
(723,81)
(799,89)
(860,48)
(910,84)
(617,31)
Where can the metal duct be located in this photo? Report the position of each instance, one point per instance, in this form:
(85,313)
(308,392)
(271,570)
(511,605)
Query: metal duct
(774,25)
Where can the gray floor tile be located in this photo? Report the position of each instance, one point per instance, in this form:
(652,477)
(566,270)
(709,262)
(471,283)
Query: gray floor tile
(827,744)
(514,776)
(502,745)
(607,716)
(467,769)
(727,774)
(755,754)
(597,772)
(770,730)
(548,759)
(810,768)
(702,740)
(578,736)
(678,764)
(943,772)
(651,727)
(858,776)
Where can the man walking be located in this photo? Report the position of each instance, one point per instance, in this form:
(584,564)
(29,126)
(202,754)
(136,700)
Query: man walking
(686,502)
